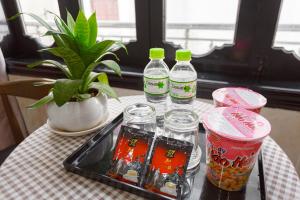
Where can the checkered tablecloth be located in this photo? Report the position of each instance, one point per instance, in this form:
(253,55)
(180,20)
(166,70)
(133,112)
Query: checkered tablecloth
(34,170)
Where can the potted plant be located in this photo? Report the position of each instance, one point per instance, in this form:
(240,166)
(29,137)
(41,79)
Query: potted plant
(79,101)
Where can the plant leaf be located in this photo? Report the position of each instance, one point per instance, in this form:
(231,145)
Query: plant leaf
(102,77)
(61,25)
(69,42)
(117,46)
(42,83)
(93,76)
(93,29)
(62,29)
(43,101)
(64,40)
(70,22)
(86,75)
(82,97)
(71,59)
(58,41)
(108,53)
(112,65)
(37,18)
(64,90)
(63,68)
(82,30)
(93,53)
(53,32)
(104,88)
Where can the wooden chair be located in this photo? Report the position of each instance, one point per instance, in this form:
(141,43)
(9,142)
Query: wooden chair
(21,88)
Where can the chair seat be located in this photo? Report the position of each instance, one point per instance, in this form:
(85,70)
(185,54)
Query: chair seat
(5,153)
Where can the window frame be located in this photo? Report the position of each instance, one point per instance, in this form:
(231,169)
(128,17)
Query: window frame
(257,66)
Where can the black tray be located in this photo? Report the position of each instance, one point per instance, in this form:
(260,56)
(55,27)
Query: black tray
(92,160)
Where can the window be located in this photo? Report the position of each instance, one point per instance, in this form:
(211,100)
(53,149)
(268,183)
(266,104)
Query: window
(288,28)
(201,25)
(3,25)
(40,8)
(116,18)
(234,42)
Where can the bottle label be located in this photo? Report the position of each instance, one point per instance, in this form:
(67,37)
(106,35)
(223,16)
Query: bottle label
(183,90)
(156,86)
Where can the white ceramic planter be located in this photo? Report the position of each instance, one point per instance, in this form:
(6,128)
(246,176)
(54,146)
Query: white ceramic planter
(78,116)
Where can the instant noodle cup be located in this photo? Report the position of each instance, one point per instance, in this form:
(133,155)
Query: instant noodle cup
(241,97)
(234,137)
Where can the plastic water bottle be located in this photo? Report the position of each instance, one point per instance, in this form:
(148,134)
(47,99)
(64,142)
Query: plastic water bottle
(156,81)
(183,80)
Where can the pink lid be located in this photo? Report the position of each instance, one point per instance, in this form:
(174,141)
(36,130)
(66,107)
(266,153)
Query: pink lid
(243,97)
(237,123)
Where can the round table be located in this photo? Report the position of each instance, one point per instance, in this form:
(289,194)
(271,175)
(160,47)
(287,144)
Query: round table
(34,170)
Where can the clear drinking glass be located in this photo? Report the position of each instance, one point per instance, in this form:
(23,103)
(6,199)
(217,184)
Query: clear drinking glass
(141,116)
(182,124)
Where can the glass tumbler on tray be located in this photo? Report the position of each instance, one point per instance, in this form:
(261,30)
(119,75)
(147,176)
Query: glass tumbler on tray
(182,124)
(141,116)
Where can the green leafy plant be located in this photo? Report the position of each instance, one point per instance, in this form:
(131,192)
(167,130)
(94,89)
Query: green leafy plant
(77,46)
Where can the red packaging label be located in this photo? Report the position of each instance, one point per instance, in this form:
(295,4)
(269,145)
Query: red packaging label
(130,154)
(169,160)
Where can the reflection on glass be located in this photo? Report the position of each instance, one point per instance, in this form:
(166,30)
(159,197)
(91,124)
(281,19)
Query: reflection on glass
(182,124)
(200,25)
(288,28)
(40,8)
(3,25)
(116,18)
(140,116)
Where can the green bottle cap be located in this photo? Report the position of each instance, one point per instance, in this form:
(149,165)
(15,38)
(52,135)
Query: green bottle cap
(157,53)
(183,55)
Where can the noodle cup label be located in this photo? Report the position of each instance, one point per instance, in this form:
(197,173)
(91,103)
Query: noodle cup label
(228,153)
(237,124)
(242,97)
(234,137)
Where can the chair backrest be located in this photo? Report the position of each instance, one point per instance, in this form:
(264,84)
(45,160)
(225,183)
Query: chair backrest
(25,88)
(21,88)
